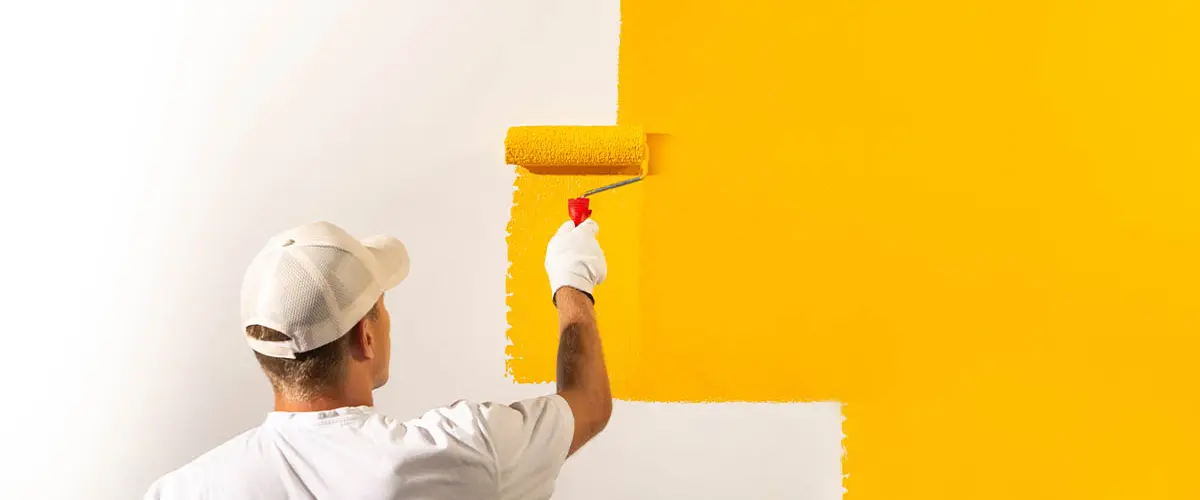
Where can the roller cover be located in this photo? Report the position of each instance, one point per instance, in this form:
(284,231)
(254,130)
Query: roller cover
(575,146)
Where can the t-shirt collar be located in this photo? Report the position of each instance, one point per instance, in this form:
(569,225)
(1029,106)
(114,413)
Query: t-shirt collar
(322,417)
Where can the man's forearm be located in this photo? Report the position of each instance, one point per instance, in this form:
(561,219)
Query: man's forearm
(580,358)
(582,376)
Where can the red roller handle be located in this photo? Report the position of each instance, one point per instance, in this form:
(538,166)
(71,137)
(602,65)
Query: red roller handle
(577,208)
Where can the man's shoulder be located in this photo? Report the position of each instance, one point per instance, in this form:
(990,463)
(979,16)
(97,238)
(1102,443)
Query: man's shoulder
(476,417)
(486,425)
(193,478)
(470,412)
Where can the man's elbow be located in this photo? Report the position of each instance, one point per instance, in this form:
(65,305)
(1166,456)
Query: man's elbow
(595,415)
(604,414)
(592,413)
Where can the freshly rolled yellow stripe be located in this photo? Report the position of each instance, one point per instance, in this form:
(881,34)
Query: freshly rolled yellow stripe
(575,146)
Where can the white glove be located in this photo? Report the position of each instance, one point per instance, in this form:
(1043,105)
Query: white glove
(574,258)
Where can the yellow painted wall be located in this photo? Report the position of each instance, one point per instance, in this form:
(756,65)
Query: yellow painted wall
(976,223)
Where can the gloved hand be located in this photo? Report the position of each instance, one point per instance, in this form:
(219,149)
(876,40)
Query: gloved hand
(574,258)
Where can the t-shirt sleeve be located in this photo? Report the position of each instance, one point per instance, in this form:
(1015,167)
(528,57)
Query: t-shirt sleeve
(530,440)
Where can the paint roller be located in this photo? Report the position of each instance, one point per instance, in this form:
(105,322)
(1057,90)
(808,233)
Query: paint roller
(579,150)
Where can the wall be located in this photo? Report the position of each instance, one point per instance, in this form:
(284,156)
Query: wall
(973,222)
(150,147)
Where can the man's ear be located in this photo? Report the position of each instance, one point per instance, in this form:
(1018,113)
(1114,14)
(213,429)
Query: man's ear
(362,340)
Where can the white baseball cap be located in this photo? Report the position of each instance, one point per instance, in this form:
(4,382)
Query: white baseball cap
(314,282)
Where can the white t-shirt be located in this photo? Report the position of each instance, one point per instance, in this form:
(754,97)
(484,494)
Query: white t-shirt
(465,451)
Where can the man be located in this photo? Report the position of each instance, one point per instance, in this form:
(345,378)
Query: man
(313,310)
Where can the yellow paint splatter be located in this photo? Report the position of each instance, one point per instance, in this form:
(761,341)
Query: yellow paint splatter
(976,224)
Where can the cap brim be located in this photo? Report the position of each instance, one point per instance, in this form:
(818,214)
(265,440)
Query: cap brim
(392,258)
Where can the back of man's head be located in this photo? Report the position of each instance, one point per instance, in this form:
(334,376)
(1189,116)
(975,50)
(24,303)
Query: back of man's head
(320,372)
(313,312)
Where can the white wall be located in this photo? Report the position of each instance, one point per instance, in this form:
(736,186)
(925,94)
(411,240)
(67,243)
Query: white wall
(148,149)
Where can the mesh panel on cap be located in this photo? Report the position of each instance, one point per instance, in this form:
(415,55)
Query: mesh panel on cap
(300,303)
(306,278)
(346,275)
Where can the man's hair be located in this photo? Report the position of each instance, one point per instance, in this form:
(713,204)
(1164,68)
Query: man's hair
(314,373)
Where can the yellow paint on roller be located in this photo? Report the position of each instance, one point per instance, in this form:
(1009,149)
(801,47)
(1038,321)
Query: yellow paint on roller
(976,223)
(575,149)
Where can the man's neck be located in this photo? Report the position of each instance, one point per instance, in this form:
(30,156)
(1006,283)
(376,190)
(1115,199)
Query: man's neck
(322,403)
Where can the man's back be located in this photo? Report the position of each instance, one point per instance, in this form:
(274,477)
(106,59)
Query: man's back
(314,314)
(464,451)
